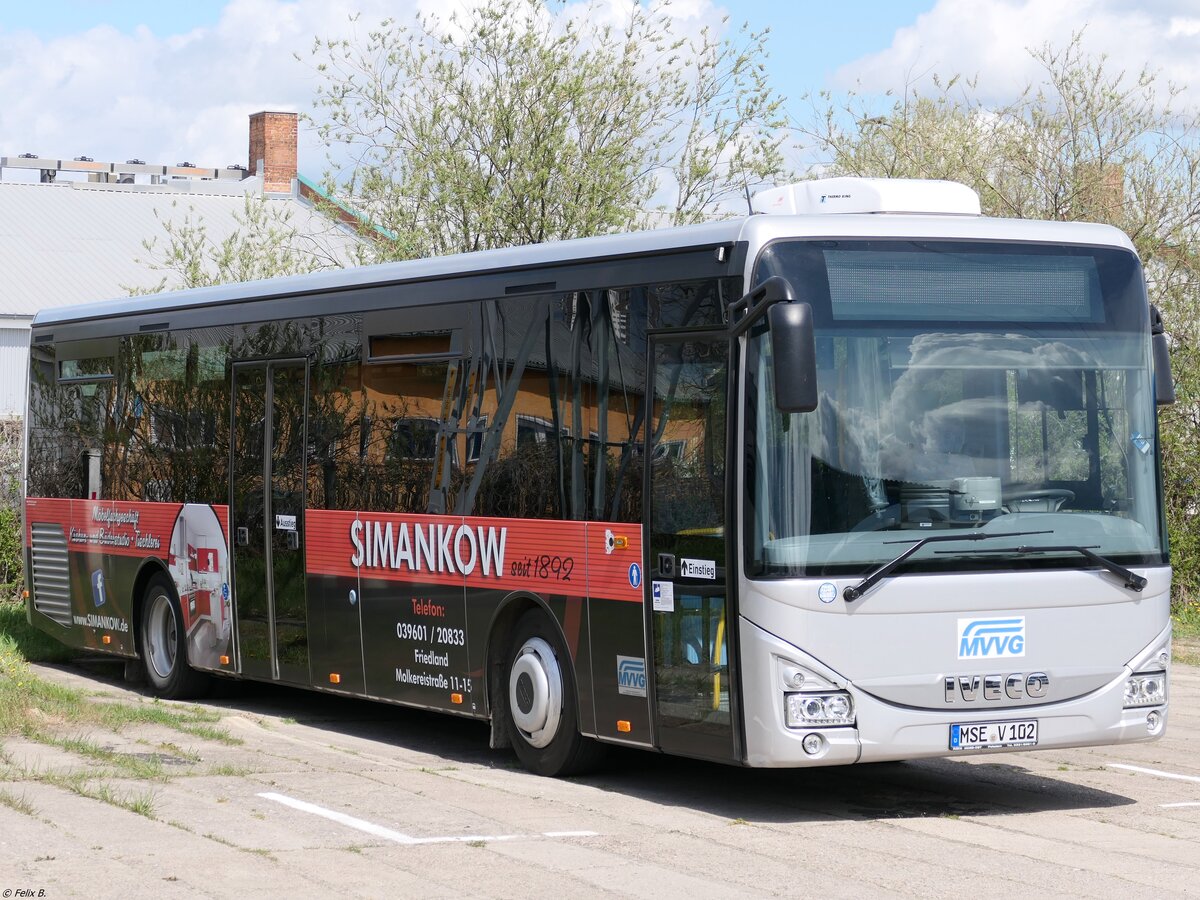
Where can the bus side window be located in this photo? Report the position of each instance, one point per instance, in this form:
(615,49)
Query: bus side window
(526,410)
(559,407)
(616,463)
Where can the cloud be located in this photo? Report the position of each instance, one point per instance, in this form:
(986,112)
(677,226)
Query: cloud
(166,98)
(991,39)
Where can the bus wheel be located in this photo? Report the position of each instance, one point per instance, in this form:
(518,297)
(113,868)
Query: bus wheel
(164,645)
(543,722)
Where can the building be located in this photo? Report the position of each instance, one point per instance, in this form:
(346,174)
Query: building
(73,231)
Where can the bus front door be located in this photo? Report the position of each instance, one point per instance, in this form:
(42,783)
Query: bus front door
(267,513)
(695,705)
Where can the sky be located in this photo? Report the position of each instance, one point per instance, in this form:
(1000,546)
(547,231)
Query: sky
(174,81)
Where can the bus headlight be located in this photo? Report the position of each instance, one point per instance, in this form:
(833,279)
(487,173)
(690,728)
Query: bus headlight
(1146,689)
(811,710)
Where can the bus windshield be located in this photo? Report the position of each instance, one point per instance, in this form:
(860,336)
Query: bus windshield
(998,387)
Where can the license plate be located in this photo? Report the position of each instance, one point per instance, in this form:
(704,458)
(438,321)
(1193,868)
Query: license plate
(991,735)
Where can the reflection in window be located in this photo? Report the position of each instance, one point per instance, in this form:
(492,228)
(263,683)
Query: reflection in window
(414,437)
(475,435)
(535,430)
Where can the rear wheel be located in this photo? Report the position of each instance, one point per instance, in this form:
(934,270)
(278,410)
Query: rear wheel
(543,720)
(164,644)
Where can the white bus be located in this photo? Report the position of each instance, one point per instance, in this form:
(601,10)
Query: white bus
(866,477)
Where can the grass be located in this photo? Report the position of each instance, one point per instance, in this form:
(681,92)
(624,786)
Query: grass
(81,783)
(37,709)
(17,804)
(145,768)
(228,770)
(33,645)
(168,748)
(63,717)
(220,735)
(1186,634)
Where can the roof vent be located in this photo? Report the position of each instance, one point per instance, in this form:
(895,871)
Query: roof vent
(827,196)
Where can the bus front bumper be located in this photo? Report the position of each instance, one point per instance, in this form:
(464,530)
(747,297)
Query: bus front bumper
(884,731)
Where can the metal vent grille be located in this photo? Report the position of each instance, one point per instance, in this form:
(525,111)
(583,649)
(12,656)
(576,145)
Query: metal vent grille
(51,572)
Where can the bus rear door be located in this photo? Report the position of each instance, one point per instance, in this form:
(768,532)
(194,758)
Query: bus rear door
(267,506)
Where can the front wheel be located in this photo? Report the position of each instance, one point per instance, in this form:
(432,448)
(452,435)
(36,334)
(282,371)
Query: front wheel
(164,645)
(543,721)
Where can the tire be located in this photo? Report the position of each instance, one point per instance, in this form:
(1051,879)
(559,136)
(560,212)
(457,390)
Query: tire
(164,645)
(541,710)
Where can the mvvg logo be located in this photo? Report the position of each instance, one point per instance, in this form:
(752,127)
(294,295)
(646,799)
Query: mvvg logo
(631,676)
(991,638)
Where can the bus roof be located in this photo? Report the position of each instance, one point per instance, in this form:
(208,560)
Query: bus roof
(754,230)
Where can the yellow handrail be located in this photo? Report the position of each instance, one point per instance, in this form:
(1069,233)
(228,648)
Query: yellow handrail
(717,662)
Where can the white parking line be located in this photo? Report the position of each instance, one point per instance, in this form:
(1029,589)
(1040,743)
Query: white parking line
(1155,772)
(1176,805)
(395,836)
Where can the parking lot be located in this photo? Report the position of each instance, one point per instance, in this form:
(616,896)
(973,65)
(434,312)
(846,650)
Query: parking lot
(293,793)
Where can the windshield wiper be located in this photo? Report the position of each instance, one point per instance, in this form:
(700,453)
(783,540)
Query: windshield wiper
(856,591)
(1133,581)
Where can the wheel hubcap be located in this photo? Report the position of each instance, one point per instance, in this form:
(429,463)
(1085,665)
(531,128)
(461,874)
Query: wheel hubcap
(535,692)
(162,636)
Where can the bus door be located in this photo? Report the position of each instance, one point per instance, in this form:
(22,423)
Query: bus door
(267,518)
(688,588)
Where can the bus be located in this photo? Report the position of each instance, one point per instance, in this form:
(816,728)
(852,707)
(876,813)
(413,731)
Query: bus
(862,476)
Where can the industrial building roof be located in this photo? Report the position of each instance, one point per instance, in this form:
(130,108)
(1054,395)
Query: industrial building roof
(66,243)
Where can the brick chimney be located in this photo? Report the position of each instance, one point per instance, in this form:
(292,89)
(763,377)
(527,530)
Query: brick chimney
(273,149)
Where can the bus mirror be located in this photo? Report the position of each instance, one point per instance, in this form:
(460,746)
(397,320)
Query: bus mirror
(1164,384)
(794,351)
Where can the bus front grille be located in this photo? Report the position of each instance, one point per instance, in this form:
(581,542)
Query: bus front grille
(51,572)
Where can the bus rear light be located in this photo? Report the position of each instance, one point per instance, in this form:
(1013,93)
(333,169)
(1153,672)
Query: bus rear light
(809,710)
(624,726)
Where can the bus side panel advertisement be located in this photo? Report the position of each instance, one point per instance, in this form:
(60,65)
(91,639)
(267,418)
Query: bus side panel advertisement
(430,585)
(107,543)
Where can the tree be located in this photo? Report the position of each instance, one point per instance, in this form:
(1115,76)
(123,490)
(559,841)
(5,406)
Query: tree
(264,244)
(1086,144)
(510,124)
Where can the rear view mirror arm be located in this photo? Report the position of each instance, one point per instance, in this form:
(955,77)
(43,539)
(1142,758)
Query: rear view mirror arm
(747,310)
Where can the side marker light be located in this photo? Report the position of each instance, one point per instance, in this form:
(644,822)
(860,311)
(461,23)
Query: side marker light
(624,726)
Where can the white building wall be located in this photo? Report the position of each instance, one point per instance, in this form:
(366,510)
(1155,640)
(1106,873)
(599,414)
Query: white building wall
(14,368)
